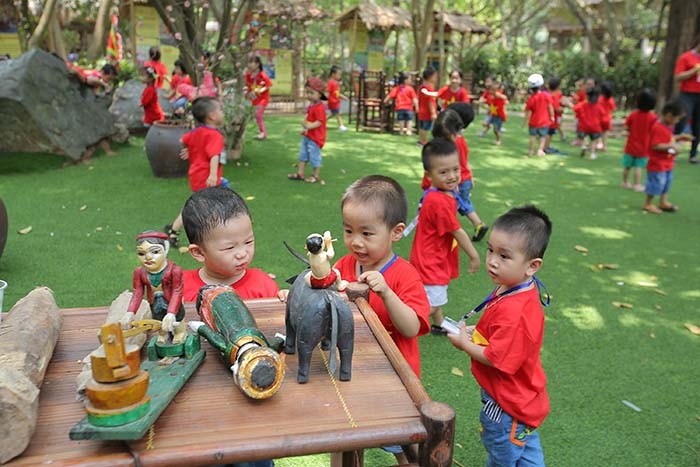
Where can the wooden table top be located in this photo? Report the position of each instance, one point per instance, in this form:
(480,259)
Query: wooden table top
(210,421)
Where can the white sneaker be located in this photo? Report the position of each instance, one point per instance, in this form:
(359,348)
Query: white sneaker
(343,128)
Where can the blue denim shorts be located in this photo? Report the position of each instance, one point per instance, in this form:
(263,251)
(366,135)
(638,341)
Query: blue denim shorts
(334,111)
(658,183)
(425,125)
(630,161)
(465,192)
(404,115)
(538,131)
(497,122)
(310,152)
(507,441)
(593,136)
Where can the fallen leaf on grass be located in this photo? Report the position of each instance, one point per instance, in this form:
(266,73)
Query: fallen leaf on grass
(602,266)
(98,229)
(660,292)
(119,247)
(693,328)
(250,198)
(25,230)
(183,250)
(622,305)
(83,207)
(647,284)
(652,334)
(457,372)
(581,249)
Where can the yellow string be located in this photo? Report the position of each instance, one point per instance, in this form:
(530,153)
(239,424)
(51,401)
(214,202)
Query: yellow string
(151,437)
(351,420)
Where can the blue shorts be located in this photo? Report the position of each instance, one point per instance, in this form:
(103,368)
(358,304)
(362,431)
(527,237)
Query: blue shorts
(465,192)
(310,152)
(179,102)
(404,115)
(497,123)
(487,120)
(425,125)
(658,183)
(629,161)
(334,111)
(539,131)
(593,136)
(507,440)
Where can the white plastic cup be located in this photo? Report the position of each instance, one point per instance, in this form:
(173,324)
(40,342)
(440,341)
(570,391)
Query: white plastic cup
(3,286)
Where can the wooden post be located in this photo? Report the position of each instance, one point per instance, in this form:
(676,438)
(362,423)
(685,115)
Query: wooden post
(132,31)
(439,421)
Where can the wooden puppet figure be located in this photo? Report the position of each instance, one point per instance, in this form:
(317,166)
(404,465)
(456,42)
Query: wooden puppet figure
(320,252)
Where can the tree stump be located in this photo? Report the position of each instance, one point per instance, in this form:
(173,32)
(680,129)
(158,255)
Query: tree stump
(28,336)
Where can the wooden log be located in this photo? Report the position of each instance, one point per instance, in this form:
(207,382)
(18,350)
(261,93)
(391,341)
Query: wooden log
(28,336)
(439,420)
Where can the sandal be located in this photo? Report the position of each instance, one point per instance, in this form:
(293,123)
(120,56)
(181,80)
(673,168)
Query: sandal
(668,207)
(172,236)
(295,176)
(652,209)
(314,179)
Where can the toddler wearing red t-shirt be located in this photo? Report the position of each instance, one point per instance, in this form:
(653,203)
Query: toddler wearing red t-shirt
(539,113)
(314,134)
(638,125)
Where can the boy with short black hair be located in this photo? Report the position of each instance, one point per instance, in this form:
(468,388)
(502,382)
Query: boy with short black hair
(433,253)
(220,230)
(505,344)
(314,134)
(334,96)
(204,147)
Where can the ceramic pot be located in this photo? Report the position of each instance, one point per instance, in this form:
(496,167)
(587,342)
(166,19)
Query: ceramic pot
(3,226)
(163,149)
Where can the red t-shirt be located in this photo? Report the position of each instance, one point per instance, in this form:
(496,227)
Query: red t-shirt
(403,96)
(497,106)
(514,328)
(203,143)
(177,80)
(317,113)
(639,124)
(426,103)
(464,171)
(590,117)
(435,252)
(607,104)
(660,161)
(685,62)
(580,96)
(160,69)
(151,107)
(333,94)
(403,279)
(257,81)
(254,284)
(558,109)
(448,96)
(538,104)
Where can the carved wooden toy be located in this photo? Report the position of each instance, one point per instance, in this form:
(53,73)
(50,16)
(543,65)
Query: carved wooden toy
(320,251)
(228,325)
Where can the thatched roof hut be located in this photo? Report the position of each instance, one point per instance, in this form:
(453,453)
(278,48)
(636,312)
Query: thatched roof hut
(295,9)
(462,23)
(375,17)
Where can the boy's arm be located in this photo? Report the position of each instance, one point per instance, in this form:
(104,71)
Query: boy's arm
(463,341)
(213,169)
(526,117)
(311,125)
(429,93)
(465,244)
(402,315)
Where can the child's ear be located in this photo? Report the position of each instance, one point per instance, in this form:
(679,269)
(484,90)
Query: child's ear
(397,232)
(534,266)
(196,252)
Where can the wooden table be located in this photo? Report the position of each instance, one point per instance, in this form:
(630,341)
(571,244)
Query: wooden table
(210,421)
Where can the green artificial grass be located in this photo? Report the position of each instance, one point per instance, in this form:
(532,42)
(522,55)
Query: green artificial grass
(84,219)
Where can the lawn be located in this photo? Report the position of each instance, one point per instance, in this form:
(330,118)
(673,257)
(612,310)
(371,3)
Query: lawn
(596,355)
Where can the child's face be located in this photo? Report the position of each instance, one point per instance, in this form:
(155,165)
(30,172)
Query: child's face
(455,79)
(252,66)
(506,262)
(228,249)
(152,256)
(216,116)
(444,173)
(336,75)
(313,95)
(487,83)
(367,237)
(670,119)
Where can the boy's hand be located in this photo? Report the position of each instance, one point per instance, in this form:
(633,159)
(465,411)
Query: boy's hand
(282,295)
(375,280)
(211,181)
(184,154)
(474,264)
(465,335)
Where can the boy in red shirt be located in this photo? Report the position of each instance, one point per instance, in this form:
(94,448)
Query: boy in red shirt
(152,111)
(405,101)
(435,252)
(590,115)
(427,105)
(203,146)
(505,344)
(608,106)
(539,114)
(334,96)
(662,157)
(314,134)
(638,125)
(497,101)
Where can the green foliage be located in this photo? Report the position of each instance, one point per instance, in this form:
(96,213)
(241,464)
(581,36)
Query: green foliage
(127,71)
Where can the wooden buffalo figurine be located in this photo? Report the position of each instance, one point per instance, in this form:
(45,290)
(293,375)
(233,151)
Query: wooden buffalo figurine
(313,315)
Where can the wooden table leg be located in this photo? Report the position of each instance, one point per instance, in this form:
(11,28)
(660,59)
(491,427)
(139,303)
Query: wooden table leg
(348,459)
(439,420)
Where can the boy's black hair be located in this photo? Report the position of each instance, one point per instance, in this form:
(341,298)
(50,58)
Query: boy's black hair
(674,107)
(179,64)
(532,224)
(606,89)
(646,100)
(437,147)
(209,208)
(465,112)
(382,192)
(154,53)
(448,124)
(202,106)
(428,72)
(553,83)
(593,94)
(109,69)
(334,69)
(402,78)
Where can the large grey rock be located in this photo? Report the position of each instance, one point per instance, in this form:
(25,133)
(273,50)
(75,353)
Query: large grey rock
(126,105)
(43,109)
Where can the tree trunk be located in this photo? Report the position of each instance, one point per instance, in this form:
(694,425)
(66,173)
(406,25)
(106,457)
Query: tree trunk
(422,30)
(97,47)
(55,38)
(683,26)
(441,43)
(43,25)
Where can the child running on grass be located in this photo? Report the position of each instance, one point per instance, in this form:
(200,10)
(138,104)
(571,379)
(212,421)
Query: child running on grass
(314,134)
(638,125)
(405,101)
(497,101)
(505,344)
(662,158)
(539,114)
(590,115)
(334,96)
(427,105)
(434,252)
(451,124)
